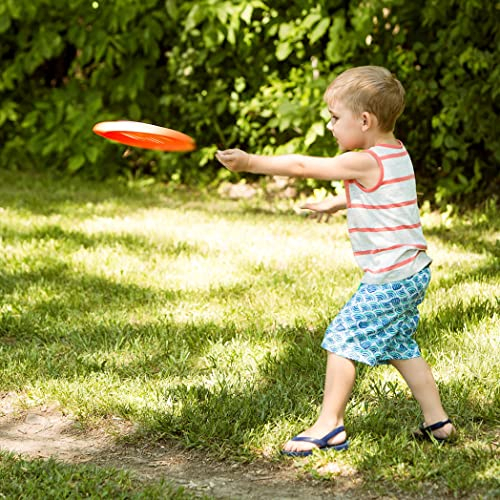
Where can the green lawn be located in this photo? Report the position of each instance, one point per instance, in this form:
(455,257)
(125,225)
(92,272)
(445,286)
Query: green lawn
(50,480)
(200,319)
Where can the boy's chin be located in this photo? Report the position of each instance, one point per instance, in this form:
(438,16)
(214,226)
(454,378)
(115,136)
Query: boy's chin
(341,147)
(344,148)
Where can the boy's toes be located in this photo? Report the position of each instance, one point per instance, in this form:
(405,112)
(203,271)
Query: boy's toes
(294,447)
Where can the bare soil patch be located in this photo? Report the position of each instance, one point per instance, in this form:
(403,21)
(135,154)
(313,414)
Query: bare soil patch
(46,432)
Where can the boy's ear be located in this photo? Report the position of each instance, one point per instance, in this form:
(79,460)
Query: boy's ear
(368,121)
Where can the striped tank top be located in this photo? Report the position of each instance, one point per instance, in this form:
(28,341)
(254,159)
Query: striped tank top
(384,221)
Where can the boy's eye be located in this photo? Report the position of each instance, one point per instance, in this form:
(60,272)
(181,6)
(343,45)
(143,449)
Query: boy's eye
(334,119)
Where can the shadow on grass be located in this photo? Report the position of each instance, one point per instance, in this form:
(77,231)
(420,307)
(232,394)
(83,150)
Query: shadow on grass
(218,406)
(27,191)
(489,272)
(81,293)
(468,238)
(226,416)
(51,479)
(78,239)
(441,328)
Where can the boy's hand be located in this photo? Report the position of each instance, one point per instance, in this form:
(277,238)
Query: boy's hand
(324,209)
(235,160)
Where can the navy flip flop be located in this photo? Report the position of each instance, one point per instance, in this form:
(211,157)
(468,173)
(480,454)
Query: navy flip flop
(425,433)
(321,444)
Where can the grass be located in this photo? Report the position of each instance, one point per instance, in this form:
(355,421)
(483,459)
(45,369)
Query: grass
(48,479)
(200,320)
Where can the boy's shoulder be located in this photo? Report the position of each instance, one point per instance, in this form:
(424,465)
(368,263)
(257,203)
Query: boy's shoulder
(383,148)
(394,153)
(367,167)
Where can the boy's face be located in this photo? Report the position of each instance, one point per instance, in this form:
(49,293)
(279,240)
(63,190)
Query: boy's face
(345,127)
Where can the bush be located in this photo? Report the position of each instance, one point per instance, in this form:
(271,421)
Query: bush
(245,74)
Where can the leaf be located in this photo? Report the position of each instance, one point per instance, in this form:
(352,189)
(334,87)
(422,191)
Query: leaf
(285,30)
(92,154)
(231,36)
(4,23)
(316,129)
(195,17)
(284,124)
(239,85)
(246,14)
(310,20)
(171,7)
(134,111)
(222,13)
(75,163)
(319,30)
(283,50)
(30,119)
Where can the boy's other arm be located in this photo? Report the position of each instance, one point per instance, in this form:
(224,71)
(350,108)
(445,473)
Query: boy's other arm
(324,209)
(329,205)
(351,165)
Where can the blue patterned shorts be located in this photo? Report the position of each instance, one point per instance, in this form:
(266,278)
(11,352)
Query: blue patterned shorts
(379,321)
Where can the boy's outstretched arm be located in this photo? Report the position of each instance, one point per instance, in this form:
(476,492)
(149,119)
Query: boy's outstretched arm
(351,165)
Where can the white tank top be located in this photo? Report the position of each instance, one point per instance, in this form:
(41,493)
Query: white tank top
(384,221)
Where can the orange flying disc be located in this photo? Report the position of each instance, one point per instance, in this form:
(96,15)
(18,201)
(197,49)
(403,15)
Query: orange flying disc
(144,135)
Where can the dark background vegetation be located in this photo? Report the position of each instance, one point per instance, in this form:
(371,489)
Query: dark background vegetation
(247,74)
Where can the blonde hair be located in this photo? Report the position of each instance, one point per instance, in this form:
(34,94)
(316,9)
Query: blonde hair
(371,89)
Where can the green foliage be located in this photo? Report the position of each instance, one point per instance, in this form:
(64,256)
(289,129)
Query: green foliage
(247,73)
(446,53)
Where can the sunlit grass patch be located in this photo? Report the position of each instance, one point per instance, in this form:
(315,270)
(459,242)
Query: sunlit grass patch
(200,320)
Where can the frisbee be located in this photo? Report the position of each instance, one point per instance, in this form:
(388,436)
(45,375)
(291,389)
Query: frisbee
(144,135)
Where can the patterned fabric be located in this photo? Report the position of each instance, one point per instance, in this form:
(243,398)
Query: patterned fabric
(379,321)
(384,221)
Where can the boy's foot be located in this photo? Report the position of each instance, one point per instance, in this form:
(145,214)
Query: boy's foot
(316,437)
(440,431)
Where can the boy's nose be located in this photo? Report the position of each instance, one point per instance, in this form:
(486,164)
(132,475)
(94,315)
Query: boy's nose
(329,126)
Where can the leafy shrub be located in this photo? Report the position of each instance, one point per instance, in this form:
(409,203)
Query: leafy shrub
(245,74)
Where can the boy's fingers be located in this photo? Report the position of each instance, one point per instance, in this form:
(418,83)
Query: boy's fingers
(308,206)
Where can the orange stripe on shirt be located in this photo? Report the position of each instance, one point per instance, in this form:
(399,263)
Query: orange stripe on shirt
(390,268)
(381,229)
(399,179)
(382,207)
(394,155)
(379,250)
(387,249)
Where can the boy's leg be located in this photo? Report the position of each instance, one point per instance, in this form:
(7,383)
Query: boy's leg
(339,381)
(418,375)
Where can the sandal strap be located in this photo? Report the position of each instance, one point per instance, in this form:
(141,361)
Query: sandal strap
(435,426)
(333,433)
(321,442)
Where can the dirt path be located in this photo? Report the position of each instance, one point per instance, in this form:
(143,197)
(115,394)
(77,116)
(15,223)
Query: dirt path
(45,432)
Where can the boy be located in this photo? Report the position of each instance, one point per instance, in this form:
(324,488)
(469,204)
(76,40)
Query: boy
(377,324)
